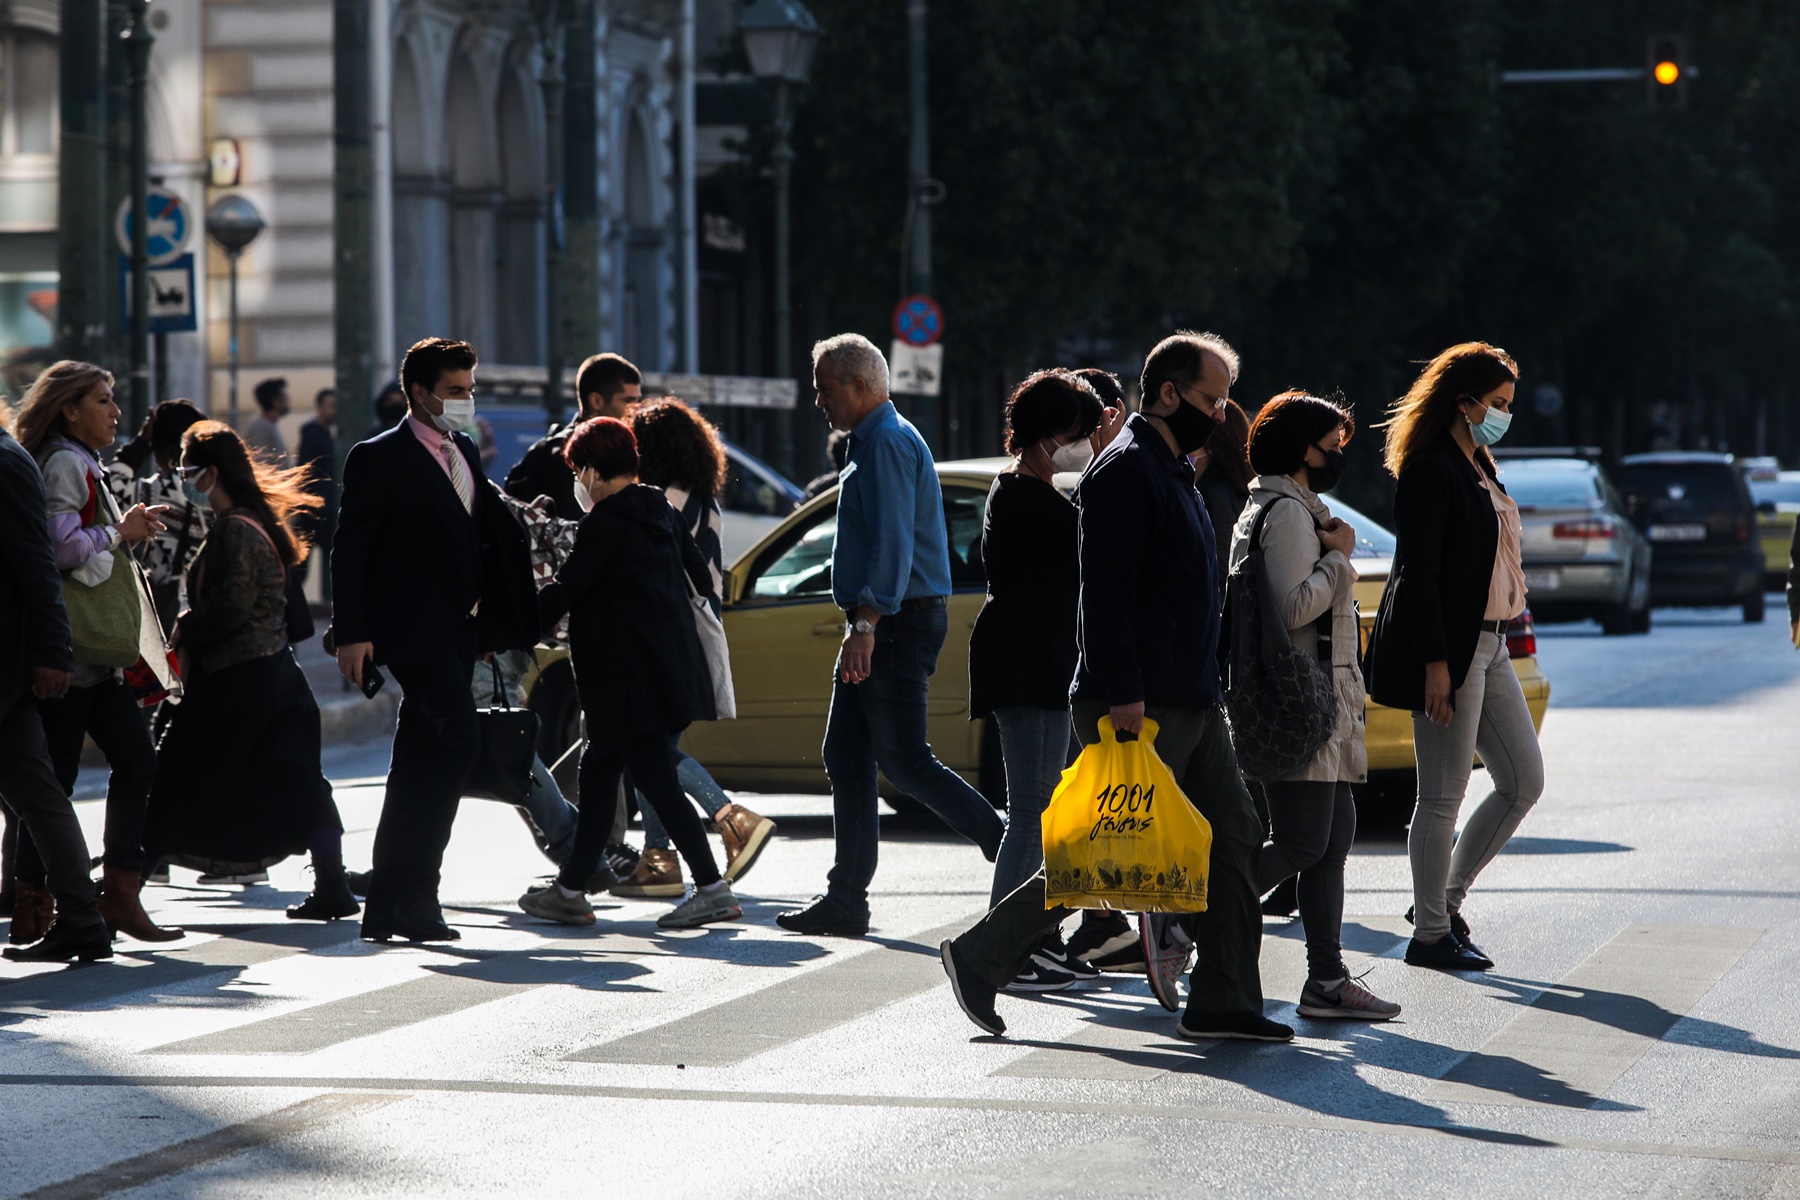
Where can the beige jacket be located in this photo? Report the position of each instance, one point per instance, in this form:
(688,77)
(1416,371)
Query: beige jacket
(1307,585)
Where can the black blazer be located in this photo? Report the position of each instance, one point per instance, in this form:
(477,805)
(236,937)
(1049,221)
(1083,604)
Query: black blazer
(1436,596)
(639,666)
(34,627)
(408,563)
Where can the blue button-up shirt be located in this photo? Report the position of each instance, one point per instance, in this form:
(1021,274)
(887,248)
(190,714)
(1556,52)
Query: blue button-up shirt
(891,543)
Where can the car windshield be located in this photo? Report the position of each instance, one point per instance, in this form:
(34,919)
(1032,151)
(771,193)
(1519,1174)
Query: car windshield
(1372,540)
(1700,485)
(804,569)
(1547,487)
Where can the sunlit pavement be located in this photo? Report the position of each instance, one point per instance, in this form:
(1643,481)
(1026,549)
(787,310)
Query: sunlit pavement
(1640,1035)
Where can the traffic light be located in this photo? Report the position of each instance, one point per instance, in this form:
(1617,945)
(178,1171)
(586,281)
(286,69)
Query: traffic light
(1665,72)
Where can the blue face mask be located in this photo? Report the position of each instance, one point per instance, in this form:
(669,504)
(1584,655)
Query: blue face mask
(1492,428)
(196,497)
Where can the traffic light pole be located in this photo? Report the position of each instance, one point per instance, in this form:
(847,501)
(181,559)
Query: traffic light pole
(353,223)
(82,237)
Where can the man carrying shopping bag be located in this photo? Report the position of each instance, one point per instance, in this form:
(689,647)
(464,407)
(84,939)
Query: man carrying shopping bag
(1149,632)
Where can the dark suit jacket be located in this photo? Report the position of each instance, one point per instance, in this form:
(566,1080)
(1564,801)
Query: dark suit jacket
(34,628)
(1448,535)
(408,562)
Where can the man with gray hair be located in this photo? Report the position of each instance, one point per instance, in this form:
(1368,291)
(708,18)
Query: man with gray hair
(890,573)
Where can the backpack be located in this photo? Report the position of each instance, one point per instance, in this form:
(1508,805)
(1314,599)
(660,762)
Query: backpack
(1280,702)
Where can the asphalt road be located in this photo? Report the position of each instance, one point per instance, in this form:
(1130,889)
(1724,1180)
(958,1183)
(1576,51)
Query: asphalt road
(1640,1036)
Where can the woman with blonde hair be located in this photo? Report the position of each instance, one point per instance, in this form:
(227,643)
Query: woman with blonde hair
(66,418)
(239,778)
(1438,648)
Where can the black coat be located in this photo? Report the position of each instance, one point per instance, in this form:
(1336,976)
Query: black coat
(408,562)
(639,667)
(34,627)
(1437,594)
(1023,650)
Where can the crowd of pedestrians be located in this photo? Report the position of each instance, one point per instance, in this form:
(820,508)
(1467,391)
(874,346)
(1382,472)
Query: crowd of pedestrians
(1108,543)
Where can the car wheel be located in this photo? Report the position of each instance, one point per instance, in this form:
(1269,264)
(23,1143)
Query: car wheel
(1640,620)
(1753,609)
(558,708)
(1386,801)
(1616,619)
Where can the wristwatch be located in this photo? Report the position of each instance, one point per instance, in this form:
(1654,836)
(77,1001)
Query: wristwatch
(115,537)
(863,625)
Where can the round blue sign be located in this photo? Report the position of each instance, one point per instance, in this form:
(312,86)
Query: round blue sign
(918,321)
(168,230)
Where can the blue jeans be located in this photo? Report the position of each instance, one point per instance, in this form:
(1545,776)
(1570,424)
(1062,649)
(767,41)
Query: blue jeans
(879,725)
(697,785)
(549,815)
(1036,744)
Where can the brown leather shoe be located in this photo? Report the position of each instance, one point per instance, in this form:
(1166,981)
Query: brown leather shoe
(34,910)
(658,874)
(124,913)
(745,834)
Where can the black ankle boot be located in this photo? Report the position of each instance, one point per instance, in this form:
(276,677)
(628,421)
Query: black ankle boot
(65,942)
(331,896)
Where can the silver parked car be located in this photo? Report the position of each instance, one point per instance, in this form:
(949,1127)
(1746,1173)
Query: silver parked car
(1583,556)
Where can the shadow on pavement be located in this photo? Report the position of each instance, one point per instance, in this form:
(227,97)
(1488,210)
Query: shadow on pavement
(1634,1014)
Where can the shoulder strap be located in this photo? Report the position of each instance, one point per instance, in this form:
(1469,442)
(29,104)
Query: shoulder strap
(253,523)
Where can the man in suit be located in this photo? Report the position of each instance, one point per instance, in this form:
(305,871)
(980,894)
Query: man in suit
(36,656)
(430,571)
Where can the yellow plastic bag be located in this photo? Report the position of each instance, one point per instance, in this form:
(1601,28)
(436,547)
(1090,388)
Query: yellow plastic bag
(1120,834)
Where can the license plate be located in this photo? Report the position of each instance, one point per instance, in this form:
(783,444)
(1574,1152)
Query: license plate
(1677,533)
(1543,580)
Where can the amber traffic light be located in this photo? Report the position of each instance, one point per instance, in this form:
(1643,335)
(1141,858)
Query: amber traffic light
(1665,72)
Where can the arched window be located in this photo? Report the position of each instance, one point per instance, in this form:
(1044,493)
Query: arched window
(28,94)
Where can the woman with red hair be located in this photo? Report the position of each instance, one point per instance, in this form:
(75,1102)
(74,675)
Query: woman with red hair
(640,671)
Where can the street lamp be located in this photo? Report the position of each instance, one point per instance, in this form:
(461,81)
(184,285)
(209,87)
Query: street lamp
(780,36)
(234,223)
(138,39)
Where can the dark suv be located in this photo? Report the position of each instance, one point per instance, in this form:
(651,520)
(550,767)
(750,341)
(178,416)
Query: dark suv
(1697,512)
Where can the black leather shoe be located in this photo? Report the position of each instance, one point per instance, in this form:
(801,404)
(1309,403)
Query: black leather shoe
(1459,929)
(826,916)
(411,923)
(65,942)
(974,995)
(1446,954)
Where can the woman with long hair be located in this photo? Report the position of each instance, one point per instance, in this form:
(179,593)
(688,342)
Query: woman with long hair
(1222,472)
(1438,649)
(66,418)
(240,778)
(640,670)
(1297,449)
(681,452)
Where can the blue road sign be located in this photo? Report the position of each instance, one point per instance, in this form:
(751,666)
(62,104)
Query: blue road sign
(168,229)
(918,321)
(171,294)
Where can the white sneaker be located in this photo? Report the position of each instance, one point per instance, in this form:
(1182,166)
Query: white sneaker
(702,908)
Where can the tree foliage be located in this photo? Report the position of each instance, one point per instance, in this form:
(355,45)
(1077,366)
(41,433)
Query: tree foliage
(1342,187)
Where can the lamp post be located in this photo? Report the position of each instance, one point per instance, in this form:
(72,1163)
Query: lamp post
(138,39)
(780,37)
(234,223)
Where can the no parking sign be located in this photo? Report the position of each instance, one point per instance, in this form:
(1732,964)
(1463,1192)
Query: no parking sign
(167,232)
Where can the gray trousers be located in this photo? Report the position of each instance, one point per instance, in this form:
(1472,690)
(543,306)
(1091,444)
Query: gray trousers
(1492,718)
(1196,746)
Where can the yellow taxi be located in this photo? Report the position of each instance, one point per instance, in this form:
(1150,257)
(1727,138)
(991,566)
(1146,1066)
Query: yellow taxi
(784,632)
(1777,496)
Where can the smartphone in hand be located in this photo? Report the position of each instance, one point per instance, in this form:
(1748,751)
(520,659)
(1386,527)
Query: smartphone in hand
(372,680)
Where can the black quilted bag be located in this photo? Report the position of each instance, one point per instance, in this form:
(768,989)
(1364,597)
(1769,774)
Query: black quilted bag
(1280,701)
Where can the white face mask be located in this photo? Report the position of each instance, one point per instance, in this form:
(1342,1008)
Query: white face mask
(456,414)
(1074,457)
(584,495)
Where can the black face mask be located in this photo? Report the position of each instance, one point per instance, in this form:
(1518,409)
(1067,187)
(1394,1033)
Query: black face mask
(1324,478)
(1189,425)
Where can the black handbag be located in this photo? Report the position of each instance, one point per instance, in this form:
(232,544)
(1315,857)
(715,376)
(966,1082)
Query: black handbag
(1280,702)
(509,738)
